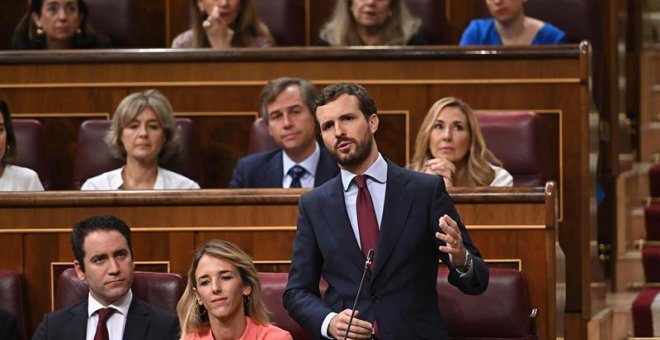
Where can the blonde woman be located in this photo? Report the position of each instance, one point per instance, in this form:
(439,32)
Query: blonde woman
(224,24)
(450,144)
(370,23)
(222,299)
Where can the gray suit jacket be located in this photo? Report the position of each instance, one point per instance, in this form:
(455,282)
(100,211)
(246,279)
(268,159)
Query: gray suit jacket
(143,322)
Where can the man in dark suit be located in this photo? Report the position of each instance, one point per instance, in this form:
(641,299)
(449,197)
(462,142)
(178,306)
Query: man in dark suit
(287,105)
(104,260)
(406,217)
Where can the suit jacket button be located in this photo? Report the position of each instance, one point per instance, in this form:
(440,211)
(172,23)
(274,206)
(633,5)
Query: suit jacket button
(374,298)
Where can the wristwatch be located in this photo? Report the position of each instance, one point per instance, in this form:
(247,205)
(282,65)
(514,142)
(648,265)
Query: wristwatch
(465,267)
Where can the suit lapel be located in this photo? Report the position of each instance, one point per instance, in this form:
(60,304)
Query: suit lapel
(398,200)
(272,170)
(339,225)
(79,321)
(137,321)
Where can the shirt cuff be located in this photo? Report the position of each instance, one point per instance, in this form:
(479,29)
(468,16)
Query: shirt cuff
(469,271)
(326,324)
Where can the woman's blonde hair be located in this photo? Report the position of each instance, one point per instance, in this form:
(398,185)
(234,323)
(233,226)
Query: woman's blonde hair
(399,27)
(479,158)
(193,316)
(248,27)
(130,107)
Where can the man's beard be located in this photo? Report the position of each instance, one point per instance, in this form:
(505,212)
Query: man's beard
(361,153)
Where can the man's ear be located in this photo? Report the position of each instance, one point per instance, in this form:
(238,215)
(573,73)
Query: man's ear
(373,122)
(79,271)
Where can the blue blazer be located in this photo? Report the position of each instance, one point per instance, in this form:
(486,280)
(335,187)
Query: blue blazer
(265,169)
(401,293)
(143,322)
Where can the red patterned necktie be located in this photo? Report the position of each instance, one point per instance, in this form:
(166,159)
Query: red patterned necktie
(101,327)
(367,222)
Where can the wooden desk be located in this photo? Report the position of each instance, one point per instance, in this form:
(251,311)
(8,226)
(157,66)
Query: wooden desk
(512,228)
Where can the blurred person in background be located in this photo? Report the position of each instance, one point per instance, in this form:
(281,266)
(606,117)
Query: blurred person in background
(57,24)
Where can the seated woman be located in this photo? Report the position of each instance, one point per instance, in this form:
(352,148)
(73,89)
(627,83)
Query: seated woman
(227,23)
(371,23)
(57,24)
(144,133)
(449,144)
(510,26)
(13,177)
(222,299)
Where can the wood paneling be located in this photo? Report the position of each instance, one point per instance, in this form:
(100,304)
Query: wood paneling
(509,226)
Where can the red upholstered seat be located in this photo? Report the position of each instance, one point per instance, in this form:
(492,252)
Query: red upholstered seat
(642,313)
(651,263)
(159,289)
(654,180)
(12,298)
(93,157)
(285,20)
(502,312)
(652,222)
(30,142)
(514,138)
(116,19)
(260,139)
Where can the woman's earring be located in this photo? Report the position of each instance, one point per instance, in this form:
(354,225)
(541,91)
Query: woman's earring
(39,30)
(78,31)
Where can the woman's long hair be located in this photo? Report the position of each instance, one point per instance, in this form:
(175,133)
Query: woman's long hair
(479,158)
(10,144)
(341,30)
(248,27)
(192,316)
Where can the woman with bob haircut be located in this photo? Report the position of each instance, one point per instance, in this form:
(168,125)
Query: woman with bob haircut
(13,177)
(143,133)
(222,299)
(371,23)
(224,24)
(450,144)
(57,24)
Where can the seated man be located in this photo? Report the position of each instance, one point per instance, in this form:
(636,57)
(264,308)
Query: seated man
(287,105)
(104,259)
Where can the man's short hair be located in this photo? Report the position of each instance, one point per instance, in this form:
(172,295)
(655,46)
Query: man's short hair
(332,92)
(278,85)
(92,224)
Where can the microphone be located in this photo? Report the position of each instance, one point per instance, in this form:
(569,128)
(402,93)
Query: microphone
(367,263)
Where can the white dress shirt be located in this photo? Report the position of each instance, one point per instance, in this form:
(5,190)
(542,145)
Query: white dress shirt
(310,164)
(165,180)
(117,320)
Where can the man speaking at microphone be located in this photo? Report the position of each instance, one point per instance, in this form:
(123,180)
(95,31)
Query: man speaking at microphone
(405,216)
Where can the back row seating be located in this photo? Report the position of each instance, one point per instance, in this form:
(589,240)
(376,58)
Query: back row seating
(514,138)
(288,21)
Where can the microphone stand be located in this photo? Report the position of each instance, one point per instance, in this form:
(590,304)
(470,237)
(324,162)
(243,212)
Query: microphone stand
(370,256)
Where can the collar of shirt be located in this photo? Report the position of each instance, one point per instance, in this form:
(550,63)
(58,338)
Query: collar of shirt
(117,180)
(376,172)
(120,305)
(310,164)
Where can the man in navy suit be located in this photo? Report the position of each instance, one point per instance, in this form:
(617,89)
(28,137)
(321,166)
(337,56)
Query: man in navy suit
(287,105)
(104,260)
(415,224)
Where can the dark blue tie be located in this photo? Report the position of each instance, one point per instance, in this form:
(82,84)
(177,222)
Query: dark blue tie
(296,172)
